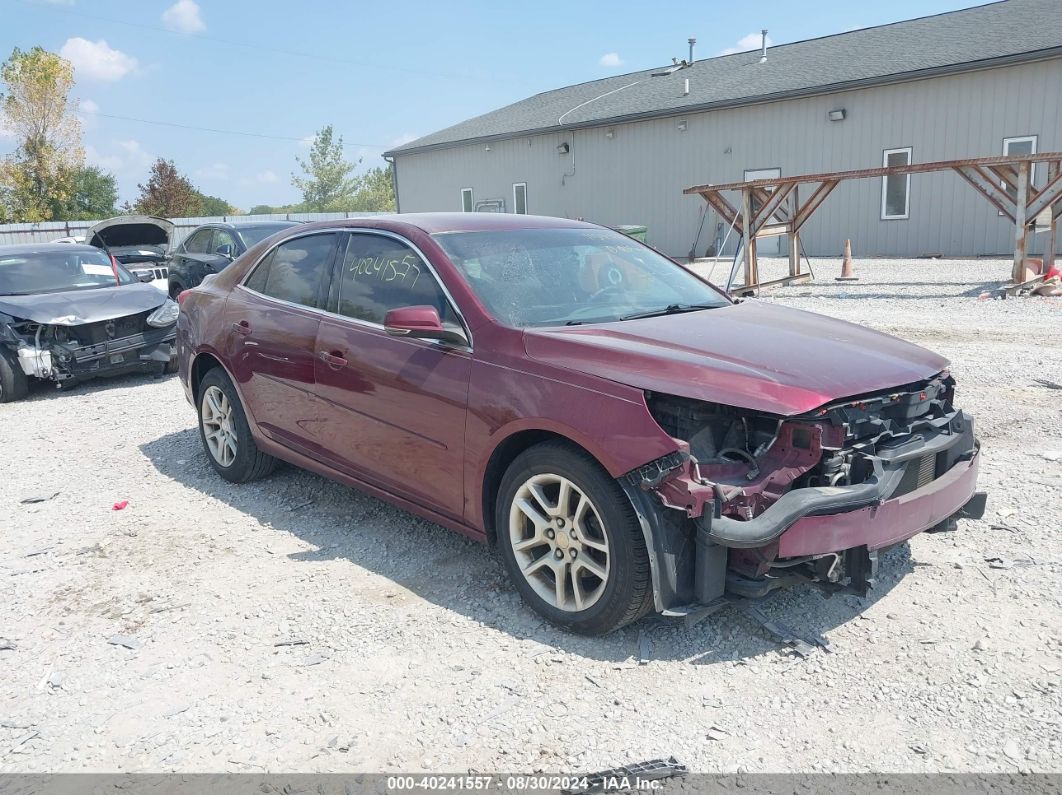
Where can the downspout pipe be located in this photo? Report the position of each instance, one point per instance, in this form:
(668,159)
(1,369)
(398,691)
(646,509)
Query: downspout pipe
(394,180)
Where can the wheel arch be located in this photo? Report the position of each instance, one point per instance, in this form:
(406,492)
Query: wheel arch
(203,363)
(502,456)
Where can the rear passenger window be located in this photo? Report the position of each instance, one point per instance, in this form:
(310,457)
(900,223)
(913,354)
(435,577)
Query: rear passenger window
(380,273)
(294,271)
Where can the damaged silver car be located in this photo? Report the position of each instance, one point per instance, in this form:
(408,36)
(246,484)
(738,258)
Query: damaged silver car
(70,312)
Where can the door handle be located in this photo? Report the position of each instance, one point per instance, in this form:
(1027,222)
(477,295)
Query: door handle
(333,359)
(243,327)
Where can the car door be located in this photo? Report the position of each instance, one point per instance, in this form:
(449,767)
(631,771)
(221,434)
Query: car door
(272,320)
(394,408)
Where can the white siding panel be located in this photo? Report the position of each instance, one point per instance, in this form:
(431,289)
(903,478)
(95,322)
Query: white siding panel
(637,176)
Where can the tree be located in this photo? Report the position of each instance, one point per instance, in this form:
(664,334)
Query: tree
(37,108)
(212,205)
(168,193)
(327,184)
(94,196)
(375,192)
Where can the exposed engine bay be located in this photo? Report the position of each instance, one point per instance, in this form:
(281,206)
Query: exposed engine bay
(758,487)
(64,353)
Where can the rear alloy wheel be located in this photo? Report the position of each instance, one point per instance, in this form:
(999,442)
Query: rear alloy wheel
(225,433)
(571,540)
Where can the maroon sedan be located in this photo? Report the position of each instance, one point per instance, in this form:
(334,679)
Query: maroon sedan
(628,436)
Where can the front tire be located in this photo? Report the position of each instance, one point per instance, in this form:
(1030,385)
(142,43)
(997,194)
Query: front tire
(225,434)
(14,384)
(571,541)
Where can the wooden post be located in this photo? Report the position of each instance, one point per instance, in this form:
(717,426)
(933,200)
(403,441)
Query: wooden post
(1052,229)
(749,238)
(793,234)
(1021,227)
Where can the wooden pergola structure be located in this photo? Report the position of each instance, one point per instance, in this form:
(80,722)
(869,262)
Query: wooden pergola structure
(774,206)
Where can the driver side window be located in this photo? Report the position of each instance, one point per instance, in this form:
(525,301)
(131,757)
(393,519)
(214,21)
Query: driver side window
(199,243)
(379,273)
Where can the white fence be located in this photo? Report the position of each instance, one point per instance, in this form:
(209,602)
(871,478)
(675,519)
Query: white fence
(47,231)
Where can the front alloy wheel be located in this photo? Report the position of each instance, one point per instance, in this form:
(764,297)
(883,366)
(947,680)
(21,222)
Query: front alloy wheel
(571,540)
(559,542)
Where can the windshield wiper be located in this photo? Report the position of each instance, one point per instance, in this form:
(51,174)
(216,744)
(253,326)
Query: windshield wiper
(670,309)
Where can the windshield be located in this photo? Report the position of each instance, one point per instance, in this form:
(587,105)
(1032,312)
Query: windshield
(553,277)
(38,272)
(253,235)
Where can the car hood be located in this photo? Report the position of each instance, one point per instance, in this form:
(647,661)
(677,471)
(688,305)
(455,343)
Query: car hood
(75,307)
(131,230)
(752,355)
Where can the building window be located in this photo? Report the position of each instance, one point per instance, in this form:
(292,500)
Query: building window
(520,198)
(466,200)
(896,188)
(1019,145)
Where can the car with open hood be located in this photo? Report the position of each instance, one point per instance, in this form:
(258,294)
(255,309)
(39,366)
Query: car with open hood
(69,312)
(139,242)
(628,436)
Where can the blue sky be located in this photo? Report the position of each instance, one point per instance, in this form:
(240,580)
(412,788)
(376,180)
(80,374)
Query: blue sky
(381,73)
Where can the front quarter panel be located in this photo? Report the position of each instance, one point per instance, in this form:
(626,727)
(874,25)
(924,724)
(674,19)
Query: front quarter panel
(508,394)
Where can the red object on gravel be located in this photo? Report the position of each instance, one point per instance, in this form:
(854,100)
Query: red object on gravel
(120,505)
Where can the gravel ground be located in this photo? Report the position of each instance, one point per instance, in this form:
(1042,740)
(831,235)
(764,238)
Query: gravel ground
(410,651)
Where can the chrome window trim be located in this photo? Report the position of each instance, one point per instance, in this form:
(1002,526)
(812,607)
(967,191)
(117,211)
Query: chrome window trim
(367,323)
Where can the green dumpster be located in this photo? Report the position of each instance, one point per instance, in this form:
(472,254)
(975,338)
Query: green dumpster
(637,232)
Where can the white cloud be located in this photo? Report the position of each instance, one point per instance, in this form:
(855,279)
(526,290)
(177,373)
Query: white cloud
(752,41)
(88,106)
(97,61)
(213,171)
(404,138)
(135,155)
(611,60)
(266,176)
(107,162)
(183,17)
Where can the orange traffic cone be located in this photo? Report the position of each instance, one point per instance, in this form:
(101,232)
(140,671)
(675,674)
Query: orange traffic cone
(846,267)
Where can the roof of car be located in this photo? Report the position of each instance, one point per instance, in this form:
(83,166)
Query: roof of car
(437,223)
(44,248)
(279,223)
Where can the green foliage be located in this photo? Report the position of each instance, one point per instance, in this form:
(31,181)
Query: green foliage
(168,193)
(40,175)
(327,182)
(94,196)
(212,205)
(330,184)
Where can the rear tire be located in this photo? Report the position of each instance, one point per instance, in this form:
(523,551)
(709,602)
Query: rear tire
(175,290)
(571,541)
(14,384)
(225,434)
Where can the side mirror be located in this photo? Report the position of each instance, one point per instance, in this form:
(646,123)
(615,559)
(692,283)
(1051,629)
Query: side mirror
(146,276)
(224,250)
(421,322)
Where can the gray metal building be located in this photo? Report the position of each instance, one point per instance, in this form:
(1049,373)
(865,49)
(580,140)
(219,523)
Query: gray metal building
(972,83)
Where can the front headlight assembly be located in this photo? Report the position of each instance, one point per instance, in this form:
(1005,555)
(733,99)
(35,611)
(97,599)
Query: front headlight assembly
(165,315)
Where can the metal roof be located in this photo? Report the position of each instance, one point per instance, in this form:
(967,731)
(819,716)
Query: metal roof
(996,34)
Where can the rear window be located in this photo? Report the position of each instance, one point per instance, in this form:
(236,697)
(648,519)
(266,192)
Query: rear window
(295,270)
(38,272)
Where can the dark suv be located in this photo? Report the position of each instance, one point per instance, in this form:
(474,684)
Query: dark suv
(211,247)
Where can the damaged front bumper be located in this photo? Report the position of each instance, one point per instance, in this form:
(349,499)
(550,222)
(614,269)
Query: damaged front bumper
(69,362)
(776,520)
